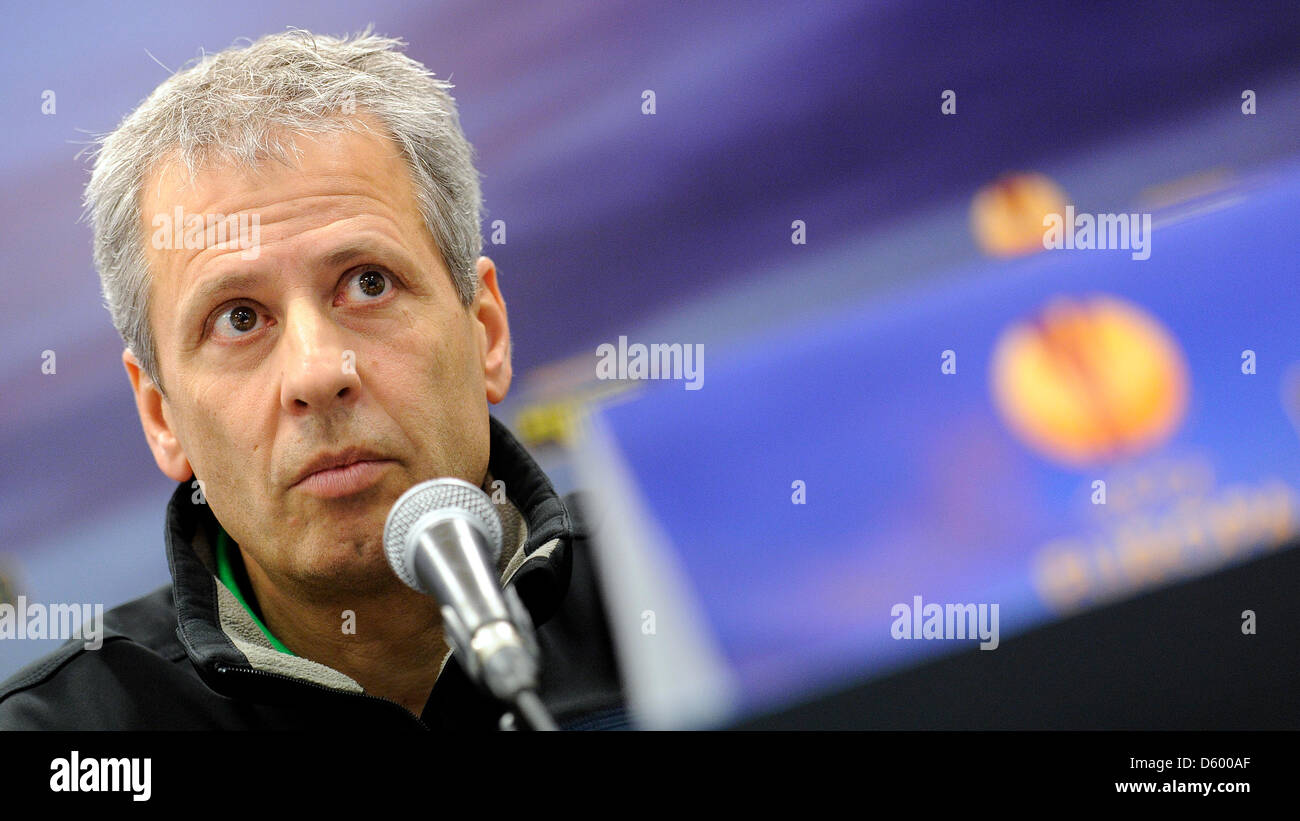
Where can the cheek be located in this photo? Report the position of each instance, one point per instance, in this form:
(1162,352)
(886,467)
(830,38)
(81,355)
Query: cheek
(225,439)
(436,351)
(411,377)
(225,417)
(429,380)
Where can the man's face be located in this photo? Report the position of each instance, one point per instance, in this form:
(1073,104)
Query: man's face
(344,332)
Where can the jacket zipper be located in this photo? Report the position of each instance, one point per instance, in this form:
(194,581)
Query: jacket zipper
(222,668)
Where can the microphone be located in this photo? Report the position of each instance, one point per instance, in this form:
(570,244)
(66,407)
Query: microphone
(443,539)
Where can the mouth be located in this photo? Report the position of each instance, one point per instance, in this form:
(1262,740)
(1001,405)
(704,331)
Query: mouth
(340,474)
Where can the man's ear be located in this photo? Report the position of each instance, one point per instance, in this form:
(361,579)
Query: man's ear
(158,431)
(494,332)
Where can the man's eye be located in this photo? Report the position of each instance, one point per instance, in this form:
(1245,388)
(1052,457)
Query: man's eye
(238,321)
(367,285)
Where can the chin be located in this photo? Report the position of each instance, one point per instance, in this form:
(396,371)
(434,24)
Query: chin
(348,567)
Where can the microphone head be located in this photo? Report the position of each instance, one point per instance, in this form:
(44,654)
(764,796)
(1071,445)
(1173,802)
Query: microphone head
(432,501)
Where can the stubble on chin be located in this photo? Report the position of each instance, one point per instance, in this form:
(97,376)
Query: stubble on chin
(349,569)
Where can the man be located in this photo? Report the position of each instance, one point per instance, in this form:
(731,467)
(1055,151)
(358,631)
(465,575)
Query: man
(288,239)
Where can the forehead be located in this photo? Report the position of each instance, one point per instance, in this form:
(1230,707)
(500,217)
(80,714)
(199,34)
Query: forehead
(346,162)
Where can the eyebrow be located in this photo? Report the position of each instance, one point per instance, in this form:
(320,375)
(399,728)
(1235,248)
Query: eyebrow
(350,251)
(207,292)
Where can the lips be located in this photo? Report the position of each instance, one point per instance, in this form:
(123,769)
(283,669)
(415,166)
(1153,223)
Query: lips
(338,459)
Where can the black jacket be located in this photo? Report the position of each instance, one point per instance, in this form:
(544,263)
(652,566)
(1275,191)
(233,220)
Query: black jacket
(189,656)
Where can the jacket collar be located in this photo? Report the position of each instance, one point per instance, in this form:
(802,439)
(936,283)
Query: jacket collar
(218,633)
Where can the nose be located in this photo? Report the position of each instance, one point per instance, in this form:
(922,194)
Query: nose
(319,369)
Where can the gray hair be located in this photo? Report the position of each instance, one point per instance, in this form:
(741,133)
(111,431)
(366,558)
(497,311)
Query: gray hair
(243,105)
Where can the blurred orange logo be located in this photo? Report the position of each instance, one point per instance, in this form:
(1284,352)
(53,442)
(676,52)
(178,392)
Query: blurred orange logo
(1090,380)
